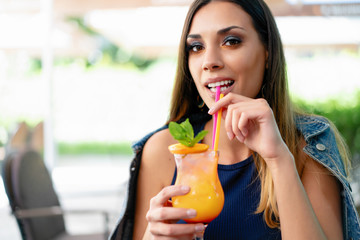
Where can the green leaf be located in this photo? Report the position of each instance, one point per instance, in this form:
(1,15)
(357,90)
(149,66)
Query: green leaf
(177,131)
(184,133)
(188,128)
(200,136)
(186,143)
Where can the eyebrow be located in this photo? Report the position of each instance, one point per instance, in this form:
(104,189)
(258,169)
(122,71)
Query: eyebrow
(221,31)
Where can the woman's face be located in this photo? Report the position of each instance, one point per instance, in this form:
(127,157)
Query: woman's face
(224,48)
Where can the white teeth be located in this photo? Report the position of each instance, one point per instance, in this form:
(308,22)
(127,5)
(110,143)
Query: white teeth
(221,89)
(214,85)
(213,89)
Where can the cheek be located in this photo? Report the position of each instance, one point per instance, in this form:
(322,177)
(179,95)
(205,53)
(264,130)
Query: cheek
(193,62)
(195,70)
(250,71)
(256,80)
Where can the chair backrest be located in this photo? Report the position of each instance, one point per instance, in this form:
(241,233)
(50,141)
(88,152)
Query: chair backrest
(28,185)
(26,137)
(20,137)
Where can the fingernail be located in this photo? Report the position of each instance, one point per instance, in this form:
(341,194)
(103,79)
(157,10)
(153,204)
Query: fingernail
(211,110)
(191,213)
(199,228)
(240,139)
(185,188)
(230,135)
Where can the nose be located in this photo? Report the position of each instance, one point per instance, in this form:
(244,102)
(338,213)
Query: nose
(212,60)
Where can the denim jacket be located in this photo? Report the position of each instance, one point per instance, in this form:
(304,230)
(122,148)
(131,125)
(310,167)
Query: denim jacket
(320,145)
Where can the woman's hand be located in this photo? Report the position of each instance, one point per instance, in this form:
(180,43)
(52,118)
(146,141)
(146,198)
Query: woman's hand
(252,122)
(162,217)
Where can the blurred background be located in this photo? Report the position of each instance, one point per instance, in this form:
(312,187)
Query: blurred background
(85,79)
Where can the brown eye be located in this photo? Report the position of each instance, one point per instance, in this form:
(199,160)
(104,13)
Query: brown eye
(231,41)
(195,47)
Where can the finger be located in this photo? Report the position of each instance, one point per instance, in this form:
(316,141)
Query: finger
(255,110)
(228,123)
(166,193)
(223,102)
(242,124)
(230,98)
(163,229)
(169,213)
(178,237)
(236,115)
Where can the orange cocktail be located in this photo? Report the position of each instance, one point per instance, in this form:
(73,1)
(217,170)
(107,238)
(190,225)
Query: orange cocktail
(199,172)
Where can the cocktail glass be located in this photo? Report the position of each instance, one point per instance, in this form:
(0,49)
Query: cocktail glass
(206,196)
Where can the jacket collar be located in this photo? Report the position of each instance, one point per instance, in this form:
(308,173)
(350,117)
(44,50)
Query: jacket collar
(310,125)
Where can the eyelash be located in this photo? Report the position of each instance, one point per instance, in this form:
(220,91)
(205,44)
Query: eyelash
(233,41)
(190,47)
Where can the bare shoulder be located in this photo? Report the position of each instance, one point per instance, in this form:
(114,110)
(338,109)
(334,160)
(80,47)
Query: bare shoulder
(156,171)
(157,146)
(323,190)
(157,157)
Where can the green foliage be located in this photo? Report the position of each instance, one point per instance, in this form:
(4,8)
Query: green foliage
(184,133)
(35,65)
(345,116)
(123,148)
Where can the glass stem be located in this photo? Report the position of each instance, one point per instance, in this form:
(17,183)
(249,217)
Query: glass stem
(200,235)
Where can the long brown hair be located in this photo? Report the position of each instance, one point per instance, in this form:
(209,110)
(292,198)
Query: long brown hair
(274,89)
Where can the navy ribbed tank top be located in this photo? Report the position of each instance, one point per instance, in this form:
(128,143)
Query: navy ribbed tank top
(237,220)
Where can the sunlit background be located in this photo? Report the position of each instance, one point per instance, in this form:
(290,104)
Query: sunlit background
(100,73)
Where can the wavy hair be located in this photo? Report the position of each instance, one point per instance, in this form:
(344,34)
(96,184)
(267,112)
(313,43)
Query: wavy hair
(274,90)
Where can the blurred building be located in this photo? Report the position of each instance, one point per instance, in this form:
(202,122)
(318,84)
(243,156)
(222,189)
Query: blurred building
(24,23)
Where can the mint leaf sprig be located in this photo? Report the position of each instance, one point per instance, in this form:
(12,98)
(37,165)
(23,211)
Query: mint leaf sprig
(184,133)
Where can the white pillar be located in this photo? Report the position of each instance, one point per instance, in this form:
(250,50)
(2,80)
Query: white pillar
(47,74)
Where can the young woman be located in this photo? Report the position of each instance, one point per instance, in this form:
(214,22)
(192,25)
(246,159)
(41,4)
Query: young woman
(283,172)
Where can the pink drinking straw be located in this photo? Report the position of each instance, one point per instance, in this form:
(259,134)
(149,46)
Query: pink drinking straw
(217,96)
(218,127)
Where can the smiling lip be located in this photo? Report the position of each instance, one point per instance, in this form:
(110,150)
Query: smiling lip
(224,83)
